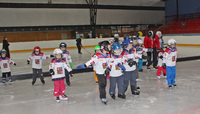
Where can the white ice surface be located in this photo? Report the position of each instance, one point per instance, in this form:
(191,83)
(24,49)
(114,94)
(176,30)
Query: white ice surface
(23,98)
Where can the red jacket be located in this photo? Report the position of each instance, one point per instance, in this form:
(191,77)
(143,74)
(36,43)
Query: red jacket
(151,43)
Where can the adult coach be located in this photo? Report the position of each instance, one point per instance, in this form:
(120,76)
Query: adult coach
(6,46)
(151,42)
(79,44)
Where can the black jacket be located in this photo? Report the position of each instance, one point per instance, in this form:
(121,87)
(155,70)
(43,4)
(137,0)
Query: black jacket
(5,44)
(78,41)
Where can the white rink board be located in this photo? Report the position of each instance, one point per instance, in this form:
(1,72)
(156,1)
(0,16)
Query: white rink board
(88,42)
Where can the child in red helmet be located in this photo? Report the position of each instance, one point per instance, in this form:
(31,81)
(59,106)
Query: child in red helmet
(37,56)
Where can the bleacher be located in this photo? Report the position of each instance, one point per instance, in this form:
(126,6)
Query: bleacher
(184,24)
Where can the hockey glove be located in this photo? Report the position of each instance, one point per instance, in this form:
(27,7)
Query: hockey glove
(164,65)
(51,72)
(122,67)
(52,56)
(71,75)
(71,65)
(150,50)
(15,64)
(28,62)
(131,62)
(81,66)
(161,57)
(107,71)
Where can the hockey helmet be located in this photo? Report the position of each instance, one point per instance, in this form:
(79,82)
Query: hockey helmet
(63,45)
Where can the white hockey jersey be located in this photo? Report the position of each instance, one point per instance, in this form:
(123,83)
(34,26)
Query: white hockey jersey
(130,55)
(67,57)
(170,57)
(100,61)
(116,71)
(5,64)
(37,60)
(160,61)
(140,50)
(59,68)
(94,66)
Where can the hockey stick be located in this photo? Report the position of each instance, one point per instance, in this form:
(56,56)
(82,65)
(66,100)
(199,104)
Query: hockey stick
(87,51)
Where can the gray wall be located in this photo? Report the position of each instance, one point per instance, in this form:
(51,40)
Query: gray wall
(130,17)
(42,17)
(104,2)
(47,17)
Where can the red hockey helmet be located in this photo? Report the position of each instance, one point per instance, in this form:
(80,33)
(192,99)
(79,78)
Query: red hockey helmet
(37,48)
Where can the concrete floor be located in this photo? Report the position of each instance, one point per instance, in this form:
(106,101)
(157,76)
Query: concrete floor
(156,98)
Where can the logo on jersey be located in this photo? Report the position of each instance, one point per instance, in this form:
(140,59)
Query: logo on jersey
(104,65)
(5,65)
(59,70)
(37,61)
(117,67)
(173,58)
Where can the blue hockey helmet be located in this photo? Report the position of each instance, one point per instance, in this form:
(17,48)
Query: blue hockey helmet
(125,43)
(116,45)
(63,45)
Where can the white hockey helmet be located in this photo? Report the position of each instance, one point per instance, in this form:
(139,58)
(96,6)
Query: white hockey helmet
(140,41)
(171,41)
(159,32)
(116,35)
(3,51)
(57,51)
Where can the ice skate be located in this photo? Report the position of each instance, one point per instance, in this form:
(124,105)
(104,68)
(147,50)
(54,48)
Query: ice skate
(10,81)
(33,82)
(174,85)
(170,86)
(57,99)
(63,97)
(43,82)
(4,81)
(112,96)
(158,77)
(69,83)
(138,87)
(104,100)
(136,92)
(122,96)
(155,67)
(140,70)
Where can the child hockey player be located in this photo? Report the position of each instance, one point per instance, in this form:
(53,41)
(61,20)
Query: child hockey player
(140,50)
(96,50)
(101,63)
(161,41)
(169,62)
(129,61)
(37,56)
(5,67)
(116,75)
(67,57)
(160,61)
(57,70)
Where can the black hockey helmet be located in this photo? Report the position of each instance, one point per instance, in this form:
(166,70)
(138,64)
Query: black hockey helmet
(63,45)
(150,33)
(104,45)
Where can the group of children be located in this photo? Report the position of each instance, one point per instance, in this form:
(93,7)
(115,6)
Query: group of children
(121,62)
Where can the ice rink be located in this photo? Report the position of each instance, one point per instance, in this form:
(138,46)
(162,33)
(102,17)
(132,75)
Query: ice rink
(155,98)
